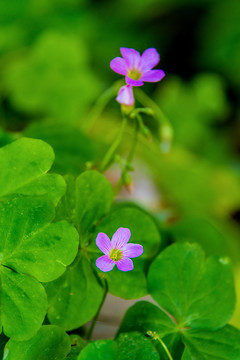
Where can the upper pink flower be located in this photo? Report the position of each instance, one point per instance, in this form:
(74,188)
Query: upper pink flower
(137,68)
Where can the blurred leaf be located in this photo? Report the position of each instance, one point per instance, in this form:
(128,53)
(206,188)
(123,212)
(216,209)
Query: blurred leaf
(54,79)
(132,284)
(189,287)
(192,107)
(71,147)
(183,177)
(24,164)
(212,240)
(50,343)
(75,297)
(219,36)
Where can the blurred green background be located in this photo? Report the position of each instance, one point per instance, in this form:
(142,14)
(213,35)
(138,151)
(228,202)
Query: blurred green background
(54,64)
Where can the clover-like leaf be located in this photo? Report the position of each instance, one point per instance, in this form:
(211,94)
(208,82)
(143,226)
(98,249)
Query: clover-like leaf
(24,164)
(30,248)
(132,284)
(75,297)
(86,201)
(146,317)
(135,346)
(23,304)
(99,350)
(30,244)
(50,343)
(72,148)
(197,293)
(132,346)
(212,345)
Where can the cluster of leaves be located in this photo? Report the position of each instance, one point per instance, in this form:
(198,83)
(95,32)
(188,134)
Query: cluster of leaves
(48,227)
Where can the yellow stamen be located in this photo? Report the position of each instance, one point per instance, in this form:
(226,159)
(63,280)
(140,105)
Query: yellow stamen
(116,254)
(134,74)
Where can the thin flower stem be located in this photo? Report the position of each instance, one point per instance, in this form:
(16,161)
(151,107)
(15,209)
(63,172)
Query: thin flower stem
(100,105)
(94,321)
(146,101)
(155,336)
(109,155)
(129,158)
(134,143)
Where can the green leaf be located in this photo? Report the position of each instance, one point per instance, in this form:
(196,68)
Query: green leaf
(77,344)
(99,350)
(58,64)
(30,244)
(198,293)
(145,316)
(71,147)
(135,346)
(24,164)
(126,347)
(75,297)
(23,304)
(212,345)
(86,201)
(50,343)
(132,284)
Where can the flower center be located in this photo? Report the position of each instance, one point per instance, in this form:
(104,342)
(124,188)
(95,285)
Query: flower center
(116,254)
(134,74)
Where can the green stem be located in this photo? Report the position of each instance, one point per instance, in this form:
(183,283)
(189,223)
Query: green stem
(94,321)
(109,155)
(134,143)
(129,158)
(100,105)
(155,336)
(148,102)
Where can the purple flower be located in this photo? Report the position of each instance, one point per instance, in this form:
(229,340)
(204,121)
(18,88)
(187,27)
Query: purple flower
(137,68)
(125,95)
(117,251)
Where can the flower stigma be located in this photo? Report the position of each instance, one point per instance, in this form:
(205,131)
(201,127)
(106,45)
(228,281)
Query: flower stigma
(116,254)
(134,74)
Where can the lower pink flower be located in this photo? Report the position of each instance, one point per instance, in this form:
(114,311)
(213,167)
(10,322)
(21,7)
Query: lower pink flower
(117,251)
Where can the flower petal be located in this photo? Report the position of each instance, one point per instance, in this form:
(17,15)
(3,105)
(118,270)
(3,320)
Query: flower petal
(149,59)
(103,243)
(153,75)
(120,238)
(132,82)
(125,95)
(119,65)
(133,250)
(125,264)
(131,56)
(104,263)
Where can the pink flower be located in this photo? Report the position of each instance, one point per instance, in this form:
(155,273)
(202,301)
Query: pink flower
(117,251)
(137,68)
(125,96)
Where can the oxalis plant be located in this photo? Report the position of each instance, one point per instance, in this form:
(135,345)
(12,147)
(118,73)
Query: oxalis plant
(57,262)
